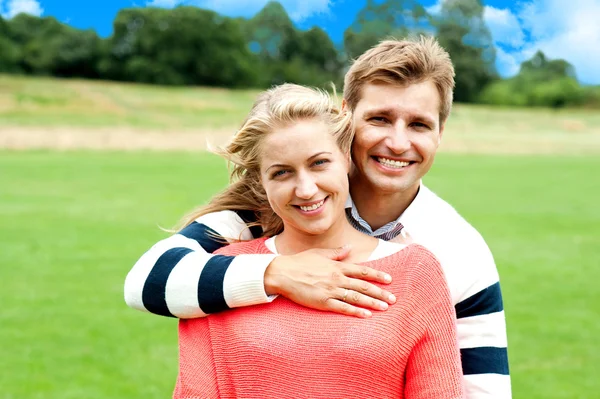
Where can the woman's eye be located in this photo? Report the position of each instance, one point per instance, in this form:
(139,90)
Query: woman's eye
(279,173)
(320,162)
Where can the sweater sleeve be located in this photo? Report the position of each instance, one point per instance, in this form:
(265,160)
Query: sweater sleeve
(180,277)
(434,369)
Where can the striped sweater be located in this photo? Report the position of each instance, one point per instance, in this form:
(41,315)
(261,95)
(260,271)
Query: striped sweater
(179,276)
(287,351)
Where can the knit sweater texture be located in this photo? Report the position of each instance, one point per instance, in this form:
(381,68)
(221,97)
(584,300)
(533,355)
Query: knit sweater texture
(284,350)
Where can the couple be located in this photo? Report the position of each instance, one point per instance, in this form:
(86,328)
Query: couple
(291,154)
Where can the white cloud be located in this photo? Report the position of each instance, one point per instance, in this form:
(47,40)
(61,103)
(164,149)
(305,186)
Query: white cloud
(565,30)
(435,9)
(15,7)
(561,29)
(297,9)
(504,26)
(508,64)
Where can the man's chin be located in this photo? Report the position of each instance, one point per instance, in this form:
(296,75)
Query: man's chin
(387,185)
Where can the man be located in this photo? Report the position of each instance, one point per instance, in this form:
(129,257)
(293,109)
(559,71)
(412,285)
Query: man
(400,96)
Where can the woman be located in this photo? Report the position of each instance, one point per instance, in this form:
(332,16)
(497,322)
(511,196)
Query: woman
(291,160)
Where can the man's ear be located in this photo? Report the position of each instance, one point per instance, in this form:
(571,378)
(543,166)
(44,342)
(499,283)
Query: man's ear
(348,158)
(344,105)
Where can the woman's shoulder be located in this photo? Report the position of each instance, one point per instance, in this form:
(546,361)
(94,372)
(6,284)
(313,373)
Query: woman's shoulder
(409,259)
(392,252)
(256,246)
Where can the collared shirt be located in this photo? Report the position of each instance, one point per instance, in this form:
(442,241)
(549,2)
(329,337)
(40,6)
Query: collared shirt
(387,232)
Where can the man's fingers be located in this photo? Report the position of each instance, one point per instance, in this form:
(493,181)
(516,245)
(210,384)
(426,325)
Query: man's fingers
(370,290)
(334,254)
(367,273)
(361,300)
(336,306)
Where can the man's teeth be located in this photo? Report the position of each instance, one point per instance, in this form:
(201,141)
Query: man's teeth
(391,163)
(313,206)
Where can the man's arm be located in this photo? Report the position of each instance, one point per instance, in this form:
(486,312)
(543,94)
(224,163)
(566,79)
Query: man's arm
(180,277)
(481,330)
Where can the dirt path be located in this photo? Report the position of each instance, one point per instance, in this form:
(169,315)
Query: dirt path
(108,139)
(129,139)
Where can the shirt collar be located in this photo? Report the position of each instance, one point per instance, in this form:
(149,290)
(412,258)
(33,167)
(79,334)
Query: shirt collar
(408,216)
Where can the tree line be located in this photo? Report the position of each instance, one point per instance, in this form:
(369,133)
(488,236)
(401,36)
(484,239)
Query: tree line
(192,46)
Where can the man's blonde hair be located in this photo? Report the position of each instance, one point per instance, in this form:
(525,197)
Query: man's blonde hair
(274,109)
(403,62)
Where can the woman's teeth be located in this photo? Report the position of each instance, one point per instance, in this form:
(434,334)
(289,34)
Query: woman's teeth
(391,163)
(313,206)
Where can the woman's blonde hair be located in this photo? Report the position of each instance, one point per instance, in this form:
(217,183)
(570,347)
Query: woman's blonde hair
(274,109)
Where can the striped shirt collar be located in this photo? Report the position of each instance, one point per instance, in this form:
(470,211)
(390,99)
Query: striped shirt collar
(392,228)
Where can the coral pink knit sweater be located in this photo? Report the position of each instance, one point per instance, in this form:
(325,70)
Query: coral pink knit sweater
(283,350)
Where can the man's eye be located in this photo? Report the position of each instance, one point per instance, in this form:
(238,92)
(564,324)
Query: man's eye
(379,119)
(420,125)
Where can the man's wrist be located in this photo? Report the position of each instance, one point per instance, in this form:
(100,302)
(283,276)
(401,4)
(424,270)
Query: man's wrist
(272,277)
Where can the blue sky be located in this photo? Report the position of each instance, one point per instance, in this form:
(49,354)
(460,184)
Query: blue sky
(562,29)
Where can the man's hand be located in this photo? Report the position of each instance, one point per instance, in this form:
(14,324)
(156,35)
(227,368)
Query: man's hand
(317,279)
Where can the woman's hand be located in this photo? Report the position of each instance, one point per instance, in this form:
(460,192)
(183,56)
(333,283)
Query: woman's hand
(318,279)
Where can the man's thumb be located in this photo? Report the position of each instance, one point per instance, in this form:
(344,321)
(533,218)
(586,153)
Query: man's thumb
(338,253)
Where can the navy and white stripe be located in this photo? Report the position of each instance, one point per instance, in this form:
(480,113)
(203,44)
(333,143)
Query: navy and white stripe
(179,277)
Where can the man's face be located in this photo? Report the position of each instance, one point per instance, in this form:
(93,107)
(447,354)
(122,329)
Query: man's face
(397,134)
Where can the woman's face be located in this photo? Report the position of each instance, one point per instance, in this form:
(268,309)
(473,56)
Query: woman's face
(305,176)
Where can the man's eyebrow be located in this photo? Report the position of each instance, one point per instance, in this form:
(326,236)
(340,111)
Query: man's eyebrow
(387,112)
(424,118)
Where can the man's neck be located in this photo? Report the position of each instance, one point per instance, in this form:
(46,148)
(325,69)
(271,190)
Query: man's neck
(379,208)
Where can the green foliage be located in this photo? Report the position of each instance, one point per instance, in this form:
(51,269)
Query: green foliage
(377,21)
(288,54)
(540,82)
(48,47)
(461,30)
(185,45)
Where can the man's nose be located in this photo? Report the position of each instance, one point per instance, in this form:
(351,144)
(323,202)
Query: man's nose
(399,141)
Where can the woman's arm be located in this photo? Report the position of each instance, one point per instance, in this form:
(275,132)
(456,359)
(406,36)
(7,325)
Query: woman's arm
(434,370)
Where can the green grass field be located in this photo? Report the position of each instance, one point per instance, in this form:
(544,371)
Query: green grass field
(72,224)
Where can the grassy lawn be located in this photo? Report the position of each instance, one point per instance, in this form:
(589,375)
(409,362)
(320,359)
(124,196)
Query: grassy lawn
(72,224)
(81,106)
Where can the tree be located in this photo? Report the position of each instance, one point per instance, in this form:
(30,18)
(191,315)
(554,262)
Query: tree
(185,45)
(461,30)
(48,47)
(540,82)
(392,18)
(289,55)
(540,68)
(10,52)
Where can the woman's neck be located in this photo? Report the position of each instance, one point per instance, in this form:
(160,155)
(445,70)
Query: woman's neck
(292,240)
